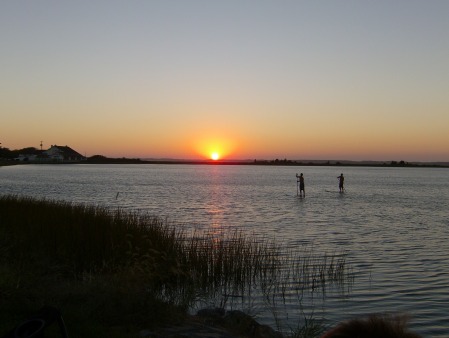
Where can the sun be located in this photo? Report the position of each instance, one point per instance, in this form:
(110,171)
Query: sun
(211,148)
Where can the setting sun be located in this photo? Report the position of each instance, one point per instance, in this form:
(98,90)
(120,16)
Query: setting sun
(213,147)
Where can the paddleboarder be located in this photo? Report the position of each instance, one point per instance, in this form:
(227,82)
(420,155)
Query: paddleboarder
(300,180)
(341,181)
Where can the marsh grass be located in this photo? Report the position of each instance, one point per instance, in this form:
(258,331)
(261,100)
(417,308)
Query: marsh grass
(113,272)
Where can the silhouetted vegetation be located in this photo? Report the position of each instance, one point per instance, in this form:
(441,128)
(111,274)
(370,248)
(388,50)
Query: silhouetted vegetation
(112,273)
(7,154)
(100,159)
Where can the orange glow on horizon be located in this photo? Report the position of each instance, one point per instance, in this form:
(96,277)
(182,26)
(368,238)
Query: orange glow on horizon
(214,148)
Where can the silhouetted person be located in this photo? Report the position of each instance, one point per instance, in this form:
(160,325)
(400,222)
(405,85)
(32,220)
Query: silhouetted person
(300,180)
(341,181)
(375,326)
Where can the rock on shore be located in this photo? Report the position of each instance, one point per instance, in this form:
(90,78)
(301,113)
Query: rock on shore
(216,323)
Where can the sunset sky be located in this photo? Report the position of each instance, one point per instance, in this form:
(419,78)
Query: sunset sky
(347,80)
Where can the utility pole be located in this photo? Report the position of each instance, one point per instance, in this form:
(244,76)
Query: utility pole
(41,145)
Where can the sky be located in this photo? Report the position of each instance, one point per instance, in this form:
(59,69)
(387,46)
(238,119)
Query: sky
(333,80)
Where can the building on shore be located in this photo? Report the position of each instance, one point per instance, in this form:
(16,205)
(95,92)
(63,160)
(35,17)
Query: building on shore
(63,154)
(54,154)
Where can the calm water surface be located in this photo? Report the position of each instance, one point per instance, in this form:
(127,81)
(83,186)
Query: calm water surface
(392,222)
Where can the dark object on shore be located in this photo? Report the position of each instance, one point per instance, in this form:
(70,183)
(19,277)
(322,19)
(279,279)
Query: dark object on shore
(238,323)
(374,326)
(36,325)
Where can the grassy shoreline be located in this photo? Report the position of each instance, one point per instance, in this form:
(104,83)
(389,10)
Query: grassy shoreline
(112,273)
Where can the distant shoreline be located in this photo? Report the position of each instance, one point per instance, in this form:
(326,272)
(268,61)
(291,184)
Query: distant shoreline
(276,162)
(313,163)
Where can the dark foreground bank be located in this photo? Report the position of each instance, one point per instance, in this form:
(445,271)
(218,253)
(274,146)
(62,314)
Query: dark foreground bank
(114,274)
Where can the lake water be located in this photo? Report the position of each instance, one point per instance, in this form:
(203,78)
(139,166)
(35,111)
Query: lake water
(392,222)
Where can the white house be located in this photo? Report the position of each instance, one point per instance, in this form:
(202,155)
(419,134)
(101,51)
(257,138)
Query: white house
(63,154)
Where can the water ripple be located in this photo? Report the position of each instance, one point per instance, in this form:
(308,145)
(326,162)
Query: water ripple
(392,222)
